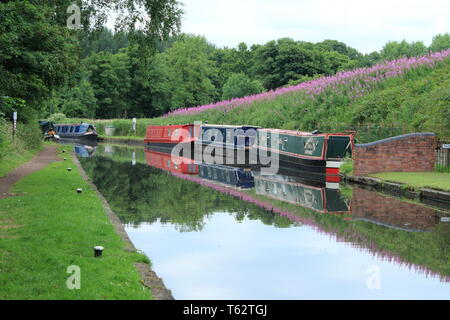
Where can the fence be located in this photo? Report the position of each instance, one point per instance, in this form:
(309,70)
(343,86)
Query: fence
(443,156)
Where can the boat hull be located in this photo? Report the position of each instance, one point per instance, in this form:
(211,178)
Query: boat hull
(169,147)
(80,138)
(224,155)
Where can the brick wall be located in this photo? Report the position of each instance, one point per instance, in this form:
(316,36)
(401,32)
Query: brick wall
(408,152)
(374,207)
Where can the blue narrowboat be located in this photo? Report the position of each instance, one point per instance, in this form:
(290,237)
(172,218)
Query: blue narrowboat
(83,151)
(236,177)
(231,144)
(81,132)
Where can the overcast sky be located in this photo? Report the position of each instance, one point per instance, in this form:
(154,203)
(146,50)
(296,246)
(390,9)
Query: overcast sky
(364,25)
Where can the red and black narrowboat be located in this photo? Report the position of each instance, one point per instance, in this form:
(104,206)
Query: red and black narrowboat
(165,138)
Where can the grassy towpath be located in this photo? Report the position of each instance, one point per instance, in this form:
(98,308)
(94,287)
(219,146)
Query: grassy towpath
(47,234)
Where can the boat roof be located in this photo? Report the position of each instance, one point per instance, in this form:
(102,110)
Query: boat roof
(83,126)
(227,126)
(73,124)
(306,133)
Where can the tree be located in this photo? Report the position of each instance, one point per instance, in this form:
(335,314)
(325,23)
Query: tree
(340,47)
(39,53)
(36,55)
(190,72)
(394,50)
(240,85)
(440,42)
(78,101)
(150,91)
(278,62)
(106,41)
(232,60)
(110,78)
(369,59)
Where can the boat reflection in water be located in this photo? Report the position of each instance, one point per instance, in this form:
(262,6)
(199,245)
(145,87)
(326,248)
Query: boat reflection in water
(81,150)
(84,151)
(236,177)
(317,195)
(167,162)
(308,194)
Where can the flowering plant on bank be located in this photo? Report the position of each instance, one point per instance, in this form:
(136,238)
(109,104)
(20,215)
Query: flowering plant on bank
(353,83)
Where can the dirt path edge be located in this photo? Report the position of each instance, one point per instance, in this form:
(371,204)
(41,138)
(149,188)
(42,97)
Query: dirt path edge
(42,159)
(149,277)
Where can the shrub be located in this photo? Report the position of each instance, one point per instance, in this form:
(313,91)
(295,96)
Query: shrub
(57,117)
(4,139)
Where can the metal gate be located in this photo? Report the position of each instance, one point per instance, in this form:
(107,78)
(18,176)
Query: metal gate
(443,156)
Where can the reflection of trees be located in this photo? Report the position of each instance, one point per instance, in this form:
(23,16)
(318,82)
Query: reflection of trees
(144,194)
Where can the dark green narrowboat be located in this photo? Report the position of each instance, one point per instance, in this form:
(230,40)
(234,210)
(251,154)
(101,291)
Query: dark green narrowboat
(313,152)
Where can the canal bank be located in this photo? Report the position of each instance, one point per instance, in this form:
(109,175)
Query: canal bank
(48,232)
(440,198)
(149,277)
(132,141)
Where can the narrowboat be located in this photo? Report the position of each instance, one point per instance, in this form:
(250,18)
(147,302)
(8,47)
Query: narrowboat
(313,152)
(167,162)
(81,132)
(83,151)
(226,144)
(236,177)
(165,138)
(311,196)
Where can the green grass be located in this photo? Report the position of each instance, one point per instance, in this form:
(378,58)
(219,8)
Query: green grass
(48,228)
(15,159)
(347,167)
(121,137)
(15,152)
(436,180)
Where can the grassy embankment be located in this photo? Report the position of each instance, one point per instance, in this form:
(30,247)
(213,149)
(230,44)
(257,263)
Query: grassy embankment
(50,227)
(415,100)
(14,152)
(435,180)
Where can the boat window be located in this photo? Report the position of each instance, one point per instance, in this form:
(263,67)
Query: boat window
(77,129)
(169,131)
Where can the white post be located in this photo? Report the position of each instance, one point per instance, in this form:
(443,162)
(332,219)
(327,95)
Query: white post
(134,125)
(14,123)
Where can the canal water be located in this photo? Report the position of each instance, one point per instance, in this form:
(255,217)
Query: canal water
(274,237)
